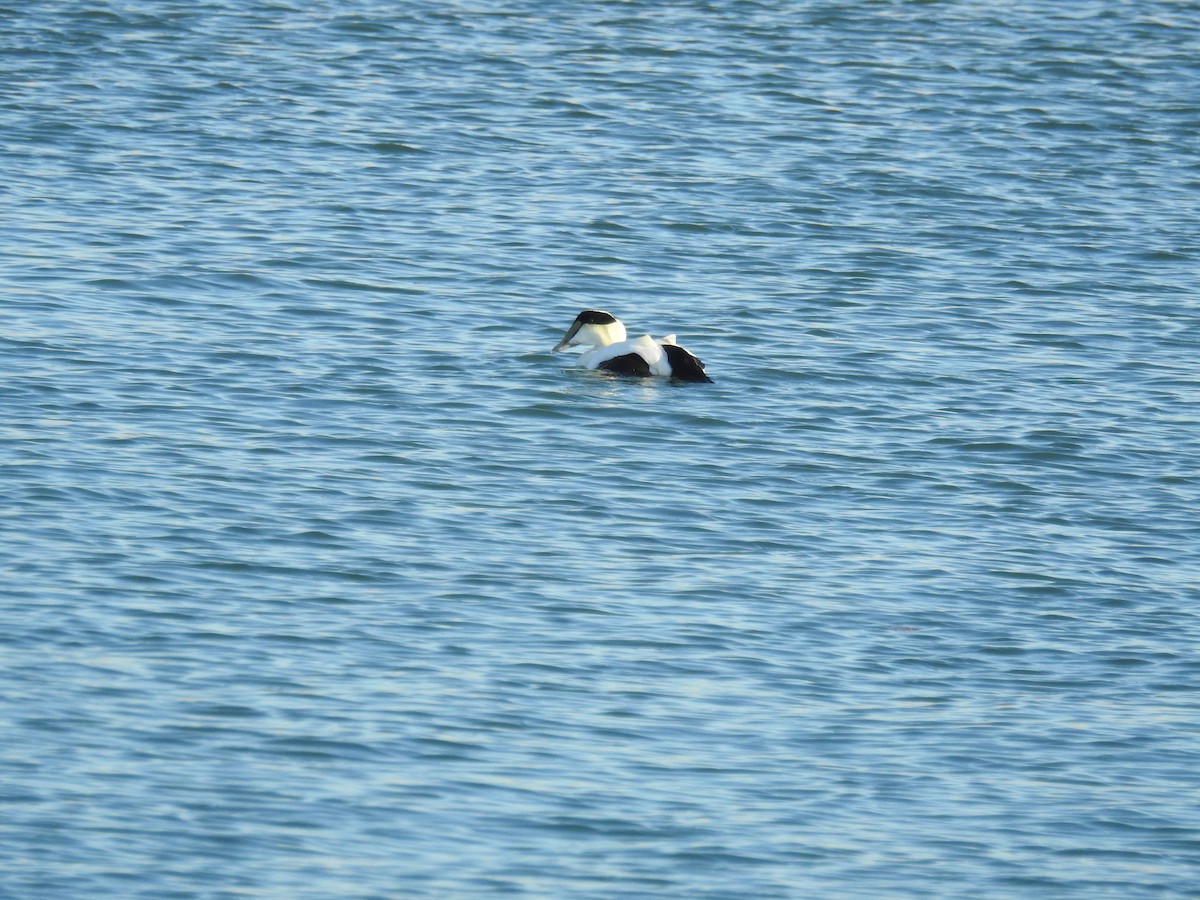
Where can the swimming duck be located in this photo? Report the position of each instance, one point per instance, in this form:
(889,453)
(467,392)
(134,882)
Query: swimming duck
(609,350)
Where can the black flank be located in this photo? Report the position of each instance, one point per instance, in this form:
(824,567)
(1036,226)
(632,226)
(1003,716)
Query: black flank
(629,364)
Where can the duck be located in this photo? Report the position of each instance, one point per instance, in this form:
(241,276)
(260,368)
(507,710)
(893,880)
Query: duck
(610,350)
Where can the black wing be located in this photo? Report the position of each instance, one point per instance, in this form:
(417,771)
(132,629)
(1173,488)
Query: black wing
(684,366)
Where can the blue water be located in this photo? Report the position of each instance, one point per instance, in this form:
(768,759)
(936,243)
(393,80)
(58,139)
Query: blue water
(322,577)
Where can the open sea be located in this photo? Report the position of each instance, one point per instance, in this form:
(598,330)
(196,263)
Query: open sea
(321,577)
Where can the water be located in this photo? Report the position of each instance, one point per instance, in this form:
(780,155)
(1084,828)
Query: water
(322,577)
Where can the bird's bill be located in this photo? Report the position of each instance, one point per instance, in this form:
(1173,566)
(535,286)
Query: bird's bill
(566,341)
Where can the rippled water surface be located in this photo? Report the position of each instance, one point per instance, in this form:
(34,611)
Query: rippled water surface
(322,577)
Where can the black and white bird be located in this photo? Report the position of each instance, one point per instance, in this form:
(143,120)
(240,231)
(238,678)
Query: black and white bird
(604,336)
